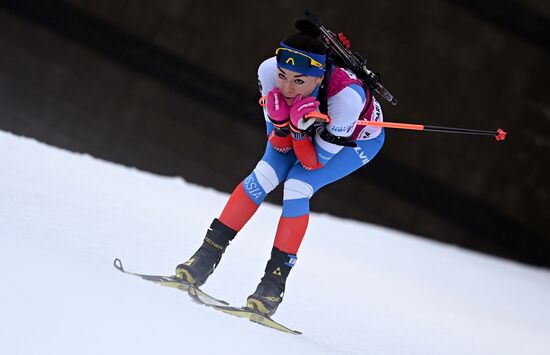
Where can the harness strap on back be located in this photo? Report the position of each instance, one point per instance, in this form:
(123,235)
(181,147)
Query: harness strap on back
(323,90)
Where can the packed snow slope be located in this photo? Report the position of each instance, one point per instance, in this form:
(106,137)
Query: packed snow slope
(356,289)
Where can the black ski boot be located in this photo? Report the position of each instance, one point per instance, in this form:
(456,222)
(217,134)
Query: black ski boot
(269,293)
(197,269)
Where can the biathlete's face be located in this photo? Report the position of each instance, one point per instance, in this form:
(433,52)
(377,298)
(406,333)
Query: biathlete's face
(292,84)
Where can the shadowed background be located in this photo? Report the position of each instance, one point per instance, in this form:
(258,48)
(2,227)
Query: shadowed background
(170,87)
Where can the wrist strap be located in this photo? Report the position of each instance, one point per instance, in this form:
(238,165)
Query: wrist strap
(331,138)
(279,124)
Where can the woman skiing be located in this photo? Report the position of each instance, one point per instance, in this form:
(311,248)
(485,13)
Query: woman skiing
(306,150)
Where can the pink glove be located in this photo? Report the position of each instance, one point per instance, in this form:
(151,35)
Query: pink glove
(277,109)
(299,108)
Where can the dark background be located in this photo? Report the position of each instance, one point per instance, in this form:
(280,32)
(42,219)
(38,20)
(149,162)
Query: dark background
(170,87)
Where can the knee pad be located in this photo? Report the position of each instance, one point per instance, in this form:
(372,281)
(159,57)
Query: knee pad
(267,178)
(296,189)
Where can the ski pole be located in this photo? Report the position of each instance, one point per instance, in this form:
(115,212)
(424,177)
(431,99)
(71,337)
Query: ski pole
(499,134)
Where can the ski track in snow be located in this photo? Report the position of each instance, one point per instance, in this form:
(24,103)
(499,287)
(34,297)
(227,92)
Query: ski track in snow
(356,289)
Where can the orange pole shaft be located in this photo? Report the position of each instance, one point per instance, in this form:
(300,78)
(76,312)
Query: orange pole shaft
(415,127)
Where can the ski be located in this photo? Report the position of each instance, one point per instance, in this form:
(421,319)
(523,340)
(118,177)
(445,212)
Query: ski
(194,292)
(255,317)
(203,298)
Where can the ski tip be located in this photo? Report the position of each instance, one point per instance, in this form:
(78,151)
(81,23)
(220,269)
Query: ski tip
(118,264)
(201,297)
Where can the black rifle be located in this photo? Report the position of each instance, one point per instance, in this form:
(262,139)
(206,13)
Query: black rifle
(338,47)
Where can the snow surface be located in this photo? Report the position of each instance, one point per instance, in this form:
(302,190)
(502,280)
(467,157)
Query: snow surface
(356,289)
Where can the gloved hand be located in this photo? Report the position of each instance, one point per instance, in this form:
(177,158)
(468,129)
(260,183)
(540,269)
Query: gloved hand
(277,108)
(298,109)
(281,140)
